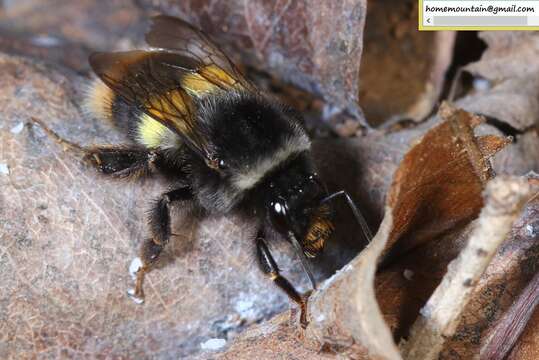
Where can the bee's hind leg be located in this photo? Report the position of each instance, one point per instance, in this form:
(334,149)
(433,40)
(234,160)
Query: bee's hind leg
(160,229)
(123,161)
(66,144)
(270,268)
(118,161)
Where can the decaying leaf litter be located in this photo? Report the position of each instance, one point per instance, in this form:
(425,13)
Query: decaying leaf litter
(66,298)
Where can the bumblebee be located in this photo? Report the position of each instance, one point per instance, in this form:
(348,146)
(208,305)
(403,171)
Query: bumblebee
(222,143)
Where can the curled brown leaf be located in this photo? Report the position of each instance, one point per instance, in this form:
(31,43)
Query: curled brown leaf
(345,317)
(504,200)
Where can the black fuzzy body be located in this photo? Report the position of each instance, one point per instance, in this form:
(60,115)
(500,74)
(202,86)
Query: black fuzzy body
(245,130)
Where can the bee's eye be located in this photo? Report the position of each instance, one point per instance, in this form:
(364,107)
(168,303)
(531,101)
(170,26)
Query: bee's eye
(222,164)
(279,216)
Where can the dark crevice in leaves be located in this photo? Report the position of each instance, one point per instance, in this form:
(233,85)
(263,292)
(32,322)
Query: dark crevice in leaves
(504,127)
(468,48)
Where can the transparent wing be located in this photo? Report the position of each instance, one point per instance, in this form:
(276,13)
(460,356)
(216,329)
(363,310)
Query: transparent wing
(180,37)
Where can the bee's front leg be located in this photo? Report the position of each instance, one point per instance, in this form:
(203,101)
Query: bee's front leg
(270,268)
(160,229)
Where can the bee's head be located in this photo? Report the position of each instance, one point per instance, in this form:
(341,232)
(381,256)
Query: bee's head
(294,207)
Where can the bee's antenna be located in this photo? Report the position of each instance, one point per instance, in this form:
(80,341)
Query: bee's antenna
(357,214)
(304,261)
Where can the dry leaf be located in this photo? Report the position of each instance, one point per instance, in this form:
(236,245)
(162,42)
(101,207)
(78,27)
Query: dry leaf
(444,176)
(513,266)
(504,200)
(509,73)
(509,68)
(526,348)
(507,91)
(513,323)
(315,45)
(402,70)
(440,182)
(65,33)
(438,185)
(57,23)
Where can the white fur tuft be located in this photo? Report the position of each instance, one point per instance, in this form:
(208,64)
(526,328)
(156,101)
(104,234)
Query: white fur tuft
(293,145)
(98,100)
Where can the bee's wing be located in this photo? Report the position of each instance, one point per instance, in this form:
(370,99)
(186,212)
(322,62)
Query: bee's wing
(176,35)
(154,82)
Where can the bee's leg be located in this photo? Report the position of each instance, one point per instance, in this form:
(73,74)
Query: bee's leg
(270,268)
(121,161)
(357,214)
(66,144)
(160,229)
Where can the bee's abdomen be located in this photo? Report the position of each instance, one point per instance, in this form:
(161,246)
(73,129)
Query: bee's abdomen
(102,103)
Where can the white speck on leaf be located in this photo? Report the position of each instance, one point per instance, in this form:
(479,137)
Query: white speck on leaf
(45,41)
(408,274)
(244,308)
(17,128)
(481,84)
(530,230)
(213,344)
(136,299)
(426,311)
(4,169)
